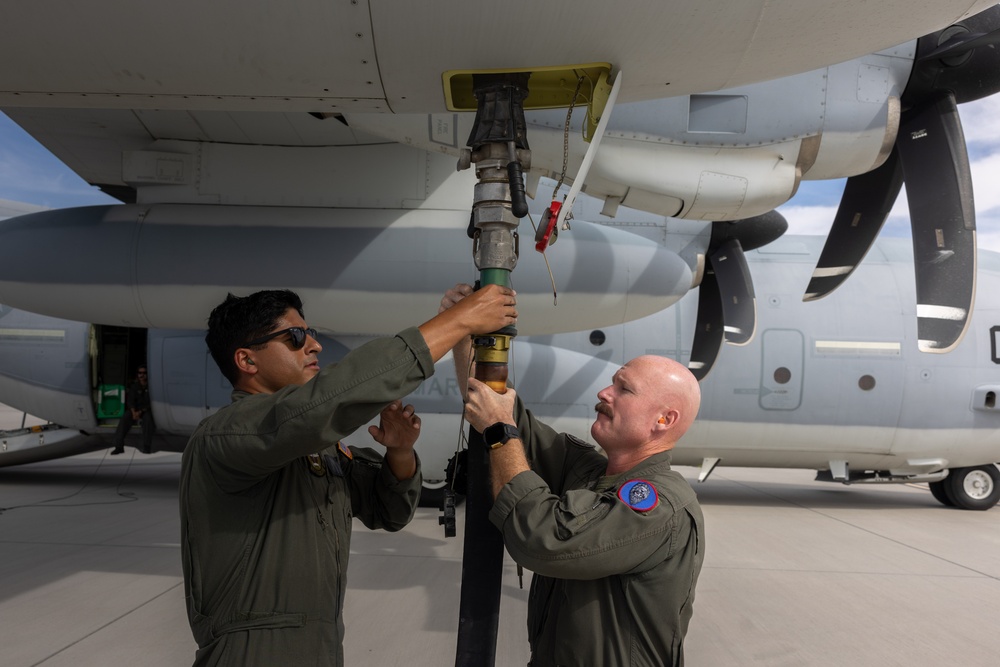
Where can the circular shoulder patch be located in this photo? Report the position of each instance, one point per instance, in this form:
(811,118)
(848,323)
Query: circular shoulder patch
(639,495)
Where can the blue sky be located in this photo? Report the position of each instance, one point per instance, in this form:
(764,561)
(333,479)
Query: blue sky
(30,174)
(812,209)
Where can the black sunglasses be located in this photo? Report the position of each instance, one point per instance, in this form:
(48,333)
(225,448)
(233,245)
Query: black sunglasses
(298,335)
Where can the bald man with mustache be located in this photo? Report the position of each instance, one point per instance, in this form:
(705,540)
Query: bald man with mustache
(616,539)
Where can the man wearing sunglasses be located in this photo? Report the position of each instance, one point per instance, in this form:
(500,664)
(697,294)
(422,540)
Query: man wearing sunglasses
(267,489)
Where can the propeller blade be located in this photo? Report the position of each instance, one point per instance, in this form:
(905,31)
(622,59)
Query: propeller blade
(708,332)
(727,308)
(864,207)
(939,192)
(739,306)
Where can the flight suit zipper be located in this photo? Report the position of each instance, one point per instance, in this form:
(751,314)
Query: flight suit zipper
(328,524)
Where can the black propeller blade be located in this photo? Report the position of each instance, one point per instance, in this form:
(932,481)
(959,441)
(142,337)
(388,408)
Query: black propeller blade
(727,308)
(864,207)
(943,221)
(958,64)
(739,304)
(708,333)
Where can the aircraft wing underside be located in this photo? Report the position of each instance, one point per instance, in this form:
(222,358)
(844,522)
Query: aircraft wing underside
(389,55)
(182,71)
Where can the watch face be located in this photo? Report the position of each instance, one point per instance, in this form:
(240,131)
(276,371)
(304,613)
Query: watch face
(493,434)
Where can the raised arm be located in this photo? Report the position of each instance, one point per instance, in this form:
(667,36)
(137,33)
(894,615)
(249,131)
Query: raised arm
(462,352)
(489,309)
(397,431)
(483,408)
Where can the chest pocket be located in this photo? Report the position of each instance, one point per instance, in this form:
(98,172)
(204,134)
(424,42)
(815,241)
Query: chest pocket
(580,510)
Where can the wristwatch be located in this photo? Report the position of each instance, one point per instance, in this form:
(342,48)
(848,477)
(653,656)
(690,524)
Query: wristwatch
(497,435)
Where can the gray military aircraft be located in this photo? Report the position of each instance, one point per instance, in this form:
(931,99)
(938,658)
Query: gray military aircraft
(249,139)
(283,147)
(261,166)
(836,385)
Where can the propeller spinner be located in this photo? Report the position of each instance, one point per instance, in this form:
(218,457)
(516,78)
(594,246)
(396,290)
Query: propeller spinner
(956,65)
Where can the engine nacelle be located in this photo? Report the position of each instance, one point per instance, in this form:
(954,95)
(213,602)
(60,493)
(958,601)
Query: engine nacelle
(358,271)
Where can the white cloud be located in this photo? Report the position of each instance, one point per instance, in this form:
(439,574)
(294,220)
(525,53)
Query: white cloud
(981,121)
(985,175)
(808,219)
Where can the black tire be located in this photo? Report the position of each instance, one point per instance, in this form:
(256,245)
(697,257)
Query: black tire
(975,488)
(940,492)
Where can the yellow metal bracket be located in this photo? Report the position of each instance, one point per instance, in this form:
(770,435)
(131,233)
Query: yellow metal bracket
(598,102)
(549,88)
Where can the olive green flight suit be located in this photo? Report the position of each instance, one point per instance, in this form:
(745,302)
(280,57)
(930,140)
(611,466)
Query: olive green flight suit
(265,533)
(613,585)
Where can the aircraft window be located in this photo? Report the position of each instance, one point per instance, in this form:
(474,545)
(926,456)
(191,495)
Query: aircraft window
(866,382)
(597,337)
(991,399)
(995,348)
(782,375)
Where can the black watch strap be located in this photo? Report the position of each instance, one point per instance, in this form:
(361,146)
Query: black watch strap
(498,434)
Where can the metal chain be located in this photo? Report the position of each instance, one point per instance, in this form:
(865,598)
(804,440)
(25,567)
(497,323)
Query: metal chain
(569,115)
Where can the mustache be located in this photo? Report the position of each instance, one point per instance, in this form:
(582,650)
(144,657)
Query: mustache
(604,409)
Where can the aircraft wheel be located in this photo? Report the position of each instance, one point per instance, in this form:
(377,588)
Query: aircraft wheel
(940,492)
(976,488)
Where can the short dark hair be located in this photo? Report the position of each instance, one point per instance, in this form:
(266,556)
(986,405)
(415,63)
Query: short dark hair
(240,319)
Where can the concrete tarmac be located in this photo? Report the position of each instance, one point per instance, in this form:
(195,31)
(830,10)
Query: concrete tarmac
(797,573)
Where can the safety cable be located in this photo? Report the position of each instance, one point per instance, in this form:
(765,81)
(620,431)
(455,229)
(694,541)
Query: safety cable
(128,496)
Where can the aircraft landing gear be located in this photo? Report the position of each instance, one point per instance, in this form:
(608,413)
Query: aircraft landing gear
(975,488)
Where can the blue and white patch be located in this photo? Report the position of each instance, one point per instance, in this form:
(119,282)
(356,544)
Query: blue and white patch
(639,495)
